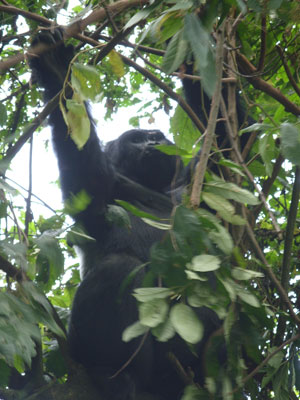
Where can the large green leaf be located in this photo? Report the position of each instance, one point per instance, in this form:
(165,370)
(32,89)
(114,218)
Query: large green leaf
(290,142)
(186,323)
(153,312)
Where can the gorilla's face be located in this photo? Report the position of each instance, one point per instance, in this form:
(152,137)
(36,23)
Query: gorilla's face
(134,155)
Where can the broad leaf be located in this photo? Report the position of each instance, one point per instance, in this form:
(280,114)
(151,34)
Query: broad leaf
(186,323)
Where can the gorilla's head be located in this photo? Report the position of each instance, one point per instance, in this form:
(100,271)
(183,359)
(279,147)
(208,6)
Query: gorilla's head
(134,155)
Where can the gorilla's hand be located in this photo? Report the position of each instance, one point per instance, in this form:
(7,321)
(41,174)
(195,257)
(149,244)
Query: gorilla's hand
(50,65)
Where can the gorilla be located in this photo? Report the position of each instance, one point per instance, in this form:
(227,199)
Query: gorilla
(129,168)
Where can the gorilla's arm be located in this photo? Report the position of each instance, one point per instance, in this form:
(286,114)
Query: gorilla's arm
(85,170)
(199,101)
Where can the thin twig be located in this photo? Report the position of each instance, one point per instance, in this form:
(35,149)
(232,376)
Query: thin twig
(28,213)
(38,120)
(268,358)
(263,36)
(267,268)
(248,173)
(287,255)
(288,71)
(135,353)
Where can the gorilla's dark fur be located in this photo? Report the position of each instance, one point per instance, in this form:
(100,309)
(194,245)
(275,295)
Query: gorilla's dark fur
(132,169)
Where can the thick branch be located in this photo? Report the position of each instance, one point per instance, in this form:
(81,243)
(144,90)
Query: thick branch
(179,99)
(12,271)
(71,30)
(249,71)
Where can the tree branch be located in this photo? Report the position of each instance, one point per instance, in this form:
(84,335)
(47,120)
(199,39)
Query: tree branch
(289,238)
(71,30)
(10,154)
(179,99)
(249,71)
(248,173)
(211,124)
(288,71)
(263,36)
(268,358)
(282,293)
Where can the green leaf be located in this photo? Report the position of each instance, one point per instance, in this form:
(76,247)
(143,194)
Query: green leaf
(257,126)
(3,114)
(248,298)
(245,274)
(195,392)
(18,331)
(117,215)
(164,331)
(5,373)
(153,312)
(204,263)
(139,16)
(52,253)
(15,251)
(142,14)
(173,150)
(41,306)
(185,133)
(77,203)
(186,323)
(133,331)
(290,142)
(85,79)
(276,360)
(136,211)
(233,166)
(77,121)
(230,287)
(181,5)
(55,363)
(7,188)
(199,39)
(266,149)
(175,54)
(147,294)
(116,63)
(195,276)
(222,239)
(217,203)
(201,296)
(167,26)
(231,191)
(223,207)
(157,225)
